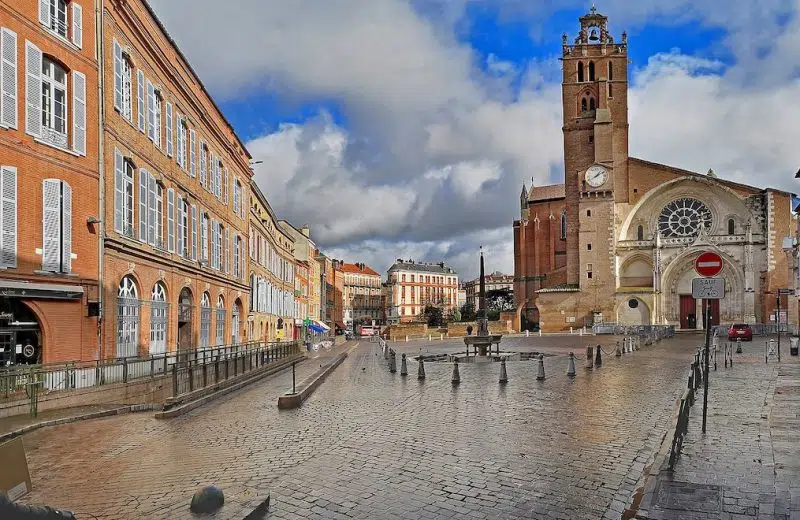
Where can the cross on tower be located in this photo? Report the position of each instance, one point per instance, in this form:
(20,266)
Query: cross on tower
(593,10)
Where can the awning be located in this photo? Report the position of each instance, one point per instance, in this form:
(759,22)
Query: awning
(11,288)
(321,325)
(316,328)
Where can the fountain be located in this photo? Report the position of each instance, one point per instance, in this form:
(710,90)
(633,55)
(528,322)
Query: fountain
(482,341)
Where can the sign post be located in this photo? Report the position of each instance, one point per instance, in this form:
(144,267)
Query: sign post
(708,265)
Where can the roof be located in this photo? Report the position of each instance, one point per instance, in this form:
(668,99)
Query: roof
(358,269)
(196,77)
(410,265)
(547,192)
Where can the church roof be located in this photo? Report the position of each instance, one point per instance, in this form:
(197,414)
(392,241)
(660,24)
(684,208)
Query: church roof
(547,192)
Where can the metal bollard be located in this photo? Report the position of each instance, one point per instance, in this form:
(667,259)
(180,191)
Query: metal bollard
(429,337)
(441,336)
(540,374)
(503,373)
(590,357)
(456,379)
(738,345)
(598,360)
(393,363)
(571,365)
(617,352)
(421,370)
(403,366)
(527,334)
(570,331)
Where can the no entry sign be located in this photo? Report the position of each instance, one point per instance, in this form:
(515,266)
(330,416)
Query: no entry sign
(708,264)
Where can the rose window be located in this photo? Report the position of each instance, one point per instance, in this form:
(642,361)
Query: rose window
(684,218)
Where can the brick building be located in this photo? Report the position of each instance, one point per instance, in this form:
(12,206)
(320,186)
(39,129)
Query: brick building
(413,285)
(272,277)
(175,197)
(305,254)
(49,182)
(618,240)
(361,300)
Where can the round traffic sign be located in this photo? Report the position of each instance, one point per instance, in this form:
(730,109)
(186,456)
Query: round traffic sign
(708,264)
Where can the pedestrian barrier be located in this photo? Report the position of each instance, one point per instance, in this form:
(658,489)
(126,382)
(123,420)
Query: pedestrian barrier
(687,401)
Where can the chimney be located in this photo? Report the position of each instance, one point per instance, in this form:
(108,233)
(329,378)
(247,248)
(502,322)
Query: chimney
(305,231)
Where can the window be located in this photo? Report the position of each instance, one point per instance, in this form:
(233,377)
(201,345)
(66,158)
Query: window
(54,103)
(153,114)
(584,105)
(204,239)
(237,198)
(564,225)
(127,318)
(151,210)
(591,104)
(588,213)
(123,194)
(140,98)
(158,319)
(180,153)
(235,324)
(684,218)
(220,339)
(192,153)
(237,255)
(159,217)
(194,227)
(731,226)
(205,320)
(181,217)
(171,220)
(610,74)
(580,71)
(203,163)
(8,78)
(56,226)
(588,247)
(591,71)
(123,71)
(8,216)
(170,144)
(639,232)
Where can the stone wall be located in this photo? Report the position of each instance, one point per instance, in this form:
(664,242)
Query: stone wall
(459,328)
(412,330)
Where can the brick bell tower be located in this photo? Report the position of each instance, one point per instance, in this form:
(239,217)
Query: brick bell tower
(595,106)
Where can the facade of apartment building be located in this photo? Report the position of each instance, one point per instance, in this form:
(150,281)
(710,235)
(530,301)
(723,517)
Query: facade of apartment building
(362,295)
(494,282)
(413,285)
(49,182)
(272,277)
(305,254)
(176,195)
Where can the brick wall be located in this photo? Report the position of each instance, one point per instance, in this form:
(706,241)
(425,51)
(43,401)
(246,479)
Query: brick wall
(412,330)
(457,329)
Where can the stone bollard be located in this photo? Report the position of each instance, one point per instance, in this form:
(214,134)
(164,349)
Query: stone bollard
(589,357)
(406,338)
(540,374)
(393,363)
(207,500)
(527,334)
(571,365)
(456,379)
(580,332)
(618,352)
(421,370)
(386,352)
(429,337)
(540,333)
(738,346)
(570,331)
(598,360)
(403,366)
(503,373)
(441,336)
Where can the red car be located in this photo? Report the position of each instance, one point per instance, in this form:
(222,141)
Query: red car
(740,331)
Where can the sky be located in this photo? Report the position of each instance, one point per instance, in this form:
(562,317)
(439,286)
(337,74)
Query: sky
(406,128)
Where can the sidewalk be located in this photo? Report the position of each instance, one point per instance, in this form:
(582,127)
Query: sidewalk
(747,465)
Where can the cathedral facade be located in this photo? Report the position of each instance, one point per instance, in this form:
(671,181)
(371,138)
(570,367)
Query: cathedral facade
(617,241)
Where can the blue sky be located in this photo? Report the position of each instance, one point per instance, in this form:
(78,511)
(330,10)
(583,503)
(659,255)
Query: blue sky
(405,128)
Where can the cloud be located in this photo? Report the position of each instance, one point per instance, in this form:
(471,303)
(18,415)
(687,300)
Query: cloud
(438,142)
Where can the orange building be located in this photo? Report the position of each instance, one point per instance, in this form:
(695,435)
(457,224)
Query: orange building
(176,197)
(413,285)
(49,181)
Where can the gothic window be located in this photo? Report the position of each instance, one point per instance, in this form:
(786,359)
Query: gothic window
(563,225)
(158,319)
(580,72)
(591,71)
(127,318)
(591,104)
(610,73)
(684,218)
(731,227)
(584,105)
(640,232)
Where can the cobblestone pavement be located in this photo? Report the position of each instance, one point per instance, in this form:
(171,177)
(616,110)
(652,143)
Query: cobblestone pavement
(370,444)
(747,464)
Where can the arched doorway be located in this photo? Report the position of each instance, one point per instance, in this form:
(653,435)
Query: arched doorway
(235,313)
(158,319)
(20,334)
(127,318)
(185,309)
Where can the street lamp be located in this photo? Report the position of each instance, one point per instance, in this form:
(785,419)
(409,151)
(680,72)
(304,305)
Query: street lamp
(797,175)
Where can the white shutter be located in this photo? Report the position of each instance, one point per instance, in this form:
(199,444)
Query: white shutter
(213,243)
(44,12)
(33,89)
(117,75)
(79,112)
(180,226)
(142,205)
(170,144)
(192,152)
(8,78)
(66,227)
(178,130)
(51,225)
(77,25)
(151,111)
(203,163)
(204,240)
(226,251)
(8,216)
(140,98)
(171,220)
(151,209)
(119,191)
(227,182)
(195,229)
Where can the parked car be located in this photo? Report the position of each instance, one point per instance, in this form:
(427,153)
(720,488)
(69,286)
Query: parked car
(740,331)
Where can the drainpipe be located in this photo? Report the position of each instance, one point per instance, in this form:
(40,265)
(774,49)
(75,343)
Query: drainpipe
(99,51)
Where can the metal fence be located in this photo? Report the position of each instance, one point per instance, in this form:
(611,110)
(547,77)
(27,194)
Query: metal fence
(687,401)
(16,381)
(759,329)
(646,332)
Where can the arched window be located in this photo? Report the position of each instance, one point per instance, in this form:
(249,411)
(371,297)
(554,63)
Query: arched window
(205,320)
(580,71)
(640,232)
(235,322)
(564,225)
(158,319)
(591,71)
(127,318)
(54,99)
(220,339)
(731,226)
(591,104)
(610,71)
(584,105)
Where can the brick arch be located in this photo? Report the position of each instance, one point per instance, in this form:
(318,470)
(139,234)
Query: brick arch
(44,325)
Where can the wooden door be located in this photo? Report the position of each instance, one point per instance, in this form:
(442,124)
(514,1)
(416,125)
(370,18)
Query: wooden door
(714,305)
(688,311)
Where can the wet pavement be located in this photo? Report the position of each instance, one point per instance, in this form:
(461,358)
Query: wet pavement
(370,444)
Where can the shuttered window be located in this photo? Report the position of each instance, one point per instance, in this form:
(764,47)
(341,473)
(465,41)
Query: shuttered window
(151,113)
(192,153)
(122,82)
(204,239)
(170,143)
(203,163)
(181,228)
(79,113)
(8,78)
(54,103)
(171,220)
(140,99)
(123,195)
(8,216)
(56,226)
(225,184)
(143,182)
(180,152)
(213,243)
(195,233)
(33,89)
(226,251)
(77,24)
(237,251)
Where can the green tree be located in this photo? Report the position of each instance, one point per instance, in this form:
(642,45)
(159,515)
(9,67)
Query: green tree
(468,312)
(434,316)
(499,300)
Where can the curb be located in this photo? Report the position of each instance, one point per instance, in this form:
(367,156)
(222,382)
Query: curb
(75,418)
(290,401)
(191,405)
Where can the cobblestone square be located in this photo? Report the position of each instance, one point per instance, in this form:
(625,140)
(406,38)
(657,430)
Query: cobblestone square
(371,444)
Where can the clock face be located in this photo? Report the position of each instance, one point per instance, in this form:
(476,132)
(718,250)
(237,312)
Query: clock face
(596,176)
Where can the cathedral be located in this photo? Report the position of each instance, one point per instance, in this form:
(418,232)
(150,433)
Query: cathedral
(617,241)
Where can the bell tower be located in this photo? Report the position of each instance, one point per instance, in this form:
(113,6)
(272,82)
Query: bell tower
(594,91)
